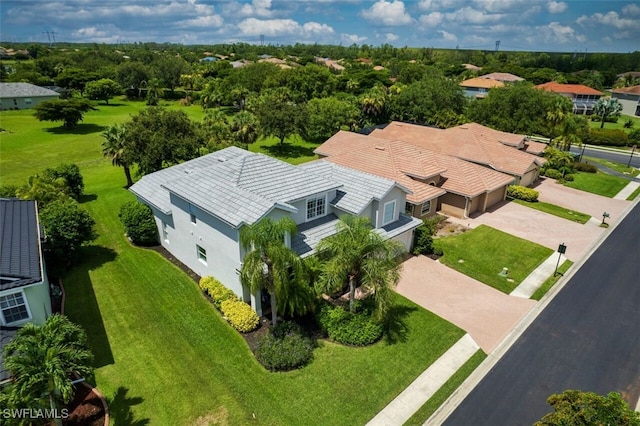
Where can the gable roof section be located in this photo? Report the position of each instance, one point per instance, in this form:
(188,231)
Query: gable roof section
(24,90)
(20,260)
(631,90)
(502,76)
(482,83)
(472,142)
(235,185)
(571,89)
(358,189)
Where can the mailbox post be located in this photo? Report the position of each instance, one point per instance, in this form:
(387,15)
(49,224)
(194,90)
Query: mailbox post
(604,216)
(562,249)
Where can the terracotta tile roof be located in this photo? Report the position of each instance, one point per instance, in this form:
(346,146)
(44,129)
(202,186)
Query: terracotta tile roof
(471,142)
(502,76)
(633,90)
(471,67)
(406,163)
(573,89)
(535,148)
(482,83)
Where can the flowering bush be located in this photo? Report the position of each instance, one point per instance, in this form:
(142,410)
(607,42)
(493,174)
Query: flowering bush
(239,315)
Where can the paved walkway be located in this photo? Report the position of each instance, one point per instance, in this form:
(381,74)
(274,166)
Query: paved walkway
(427,383)
(627,190)
(539,275)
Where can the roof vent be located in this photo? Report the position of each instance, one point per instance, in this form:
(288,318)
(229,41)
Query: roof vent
(221,160)
(379,148)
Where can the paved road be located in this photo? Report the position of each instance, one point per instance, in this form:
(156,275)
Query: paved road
(587,338)
(610,155)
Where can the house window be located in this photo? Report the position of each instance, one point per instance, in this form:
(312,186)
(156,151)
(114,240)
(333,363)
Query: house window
(426,207)
(165,233)
(389,212)
(14,308)
(316,207)
(192,212)
(408,208)
(202,254)
(27,101)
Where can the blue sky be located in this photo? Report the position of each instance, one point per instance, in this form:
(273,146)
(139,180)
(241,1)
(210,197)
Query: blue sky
(532,25)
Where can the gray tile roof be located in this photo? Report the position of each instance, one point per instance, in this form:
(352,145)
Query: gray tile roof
(234,185)
(403,224)
(359,188)
(24,90)
(310,233)
(19,244)
(6,334)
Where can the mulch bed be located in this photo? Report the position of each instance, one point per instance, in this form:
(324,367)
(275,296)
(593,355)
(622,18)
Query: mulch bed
(171,258)
(86,409)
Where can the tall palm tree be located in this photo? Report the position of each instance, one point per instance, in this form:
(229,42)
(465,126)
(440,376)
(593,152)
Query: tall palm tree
(357,255)
(270,265)
(245,127)
(113,147)
(43,359)
(607,107)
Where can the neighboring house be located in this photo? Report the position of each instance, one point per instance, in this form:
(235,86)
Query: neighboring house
(201,205)
(24,287)
(629,98)
(583,97)
(23,95)
(280,62)
(504,152)
(504,77)
(331,63)
(472,67)
(479,87)
(438,182)
(240,63)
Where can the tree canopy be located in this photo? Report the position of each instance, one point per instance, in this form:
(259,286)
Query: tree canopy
(69,111)
(103,89)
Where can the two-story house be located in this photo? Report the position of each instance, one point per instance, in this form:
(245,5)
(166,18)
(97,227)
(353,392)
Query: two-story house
(24,286)
(583,97)
(201,205)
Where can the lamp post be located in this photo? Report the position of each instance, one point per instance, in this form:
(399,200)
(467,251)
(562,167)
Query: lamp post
(562,249)
(631,156)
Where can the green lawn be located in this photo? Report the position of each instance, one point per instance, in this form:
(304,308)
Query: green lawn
(163,355)
(438,398)
(482,253)
(634,194)
(619,167)
(556,211)
(598,183)
(618,125)
(294,150)
(550,282)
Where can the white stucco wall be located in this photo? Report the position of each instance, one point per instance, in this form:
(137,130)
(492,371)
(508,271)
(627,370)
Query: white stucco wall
(395,194)
(23,103)
(37,300)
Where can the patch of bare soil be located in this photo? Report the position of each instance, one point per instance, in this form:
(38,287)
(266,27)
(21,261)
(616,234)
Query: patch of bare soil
(86,409)
(447,228)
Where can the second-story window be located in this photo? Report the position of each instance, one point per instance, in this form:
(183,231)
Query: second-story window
(316,207)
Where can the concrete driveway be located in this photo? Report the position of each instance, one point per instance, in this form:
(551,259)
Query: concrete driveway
(487,314)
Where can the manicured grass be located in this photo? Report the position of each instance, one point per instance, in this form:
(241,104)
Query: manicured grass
(438,398)
(163,355)
(595,124)
(550,282)
(598,183)
(482,253)
(634,194)
(294,150)
(619,167)
(556,211)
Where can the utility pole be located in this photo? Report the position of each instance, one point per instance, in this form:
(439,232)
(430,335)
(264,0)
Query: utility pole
(48,37)
(497,45)
(261,39)
(53,35)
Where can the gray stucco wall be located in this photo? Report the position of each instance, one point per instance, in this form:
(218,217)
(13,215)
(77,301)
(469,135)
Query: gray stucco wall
(23,103)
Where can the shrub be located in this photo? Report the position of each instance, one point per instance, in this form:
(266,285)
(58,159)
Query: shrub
(139,223)
(218,292)
(608,137)
(240,315)
(8,191)
(634,137)
(70,174)
(553,174)
(584,167)
(422,240)
(628,124)
(568,177)
(523,193)
(284,348)
(356,329)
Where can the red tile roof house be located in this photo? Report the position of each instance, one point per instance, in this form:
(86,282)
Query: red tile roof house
(504,77)
(583,97)
(504,152)
(438,182)
(629,97)
(479,87)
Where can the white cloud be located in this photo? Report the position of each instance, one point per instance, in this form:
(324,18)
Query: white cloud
(631,10)
(282,27)
(556,7)
(352,38)
(391,36)
(496,6)
(261,8)
(439,4)
(211,21)
(555,33)
(387,13)
(448,36)
(611,19)
(432,19)
(469,15)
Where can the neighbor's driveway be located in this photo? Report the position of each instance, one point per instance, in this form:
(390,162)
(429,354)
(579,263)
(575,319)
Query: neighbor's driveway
(487,314)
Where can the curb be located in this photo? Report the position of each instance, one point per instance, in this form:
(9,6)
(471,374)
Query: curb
(456,398)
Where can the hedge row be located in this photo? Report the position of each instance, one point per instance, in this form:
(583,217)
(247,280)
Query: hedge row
(342,326)
(235,311)
(523,193)
(584,167)
(139,224)
(607,137)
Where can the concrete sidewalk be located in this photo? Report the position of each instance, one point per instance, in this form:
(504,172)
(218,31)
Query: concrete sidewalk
(427,383)
(627,190)
(539,275)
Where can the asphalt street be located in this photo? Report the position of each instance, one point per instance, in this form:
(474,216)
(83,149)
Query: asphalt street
(587,338)
(610,155)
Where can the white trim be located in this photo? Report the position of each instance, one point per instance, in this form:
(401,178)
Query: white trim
(322,197)
(202,256)
(165,232)
(422,212)
(384,211)
(26,305)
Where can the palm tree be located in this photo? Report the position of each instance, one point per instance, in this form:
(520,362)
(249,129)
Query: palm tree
(270,265)
(113,147)
(357,255)
(43,359)
(43,190)
(245,127)
(606,107)
(154,92)
(373,102)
